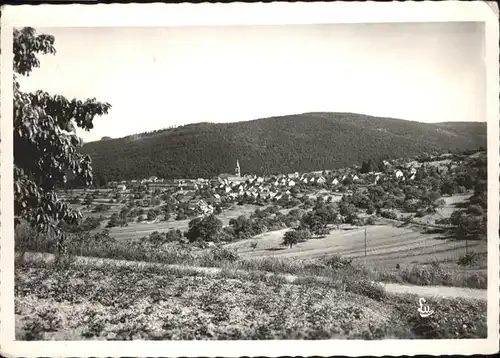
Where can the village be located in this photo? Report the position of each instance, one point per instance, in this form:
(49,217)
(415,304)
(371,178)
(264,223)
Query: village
(230,188)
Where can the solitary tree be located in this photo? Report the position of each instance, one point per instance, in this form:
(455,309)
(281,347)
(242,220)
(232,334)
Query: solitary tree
(207,228)
(45,140)
(295,236)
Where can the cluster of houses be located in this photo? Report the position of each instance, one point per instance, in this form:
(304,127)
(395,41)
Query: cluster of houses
(155,183)
(274,187)
(236,187)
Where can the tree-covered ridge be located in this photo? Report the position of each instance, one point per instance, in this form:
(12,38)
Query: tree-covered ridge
(303,142)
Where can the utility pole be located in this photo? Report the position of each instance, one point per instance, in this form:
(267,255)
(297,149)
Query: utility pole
(365,244)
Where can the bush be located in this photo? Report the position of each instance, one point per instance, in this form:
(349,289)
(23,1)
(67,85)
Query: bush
(156,238)
(444,221)
(469,259)
(338,262)
(322,232)
(173,235)
(370,220)
(221,254)
(116,220)
(420,214)
(366,288)
(388,214)
(75,201)
(101,208)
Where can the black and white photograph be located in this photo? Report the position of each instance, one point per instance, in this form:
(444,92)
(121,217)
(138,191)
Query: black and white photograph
(249,181)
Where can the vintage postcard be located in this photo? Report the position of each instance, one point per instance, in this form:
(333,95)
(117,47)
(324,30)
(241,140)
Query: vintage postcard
(250,179)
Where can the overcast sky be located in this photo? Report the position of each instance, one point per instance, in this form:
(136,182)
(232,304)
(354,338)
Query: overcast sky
(158,77)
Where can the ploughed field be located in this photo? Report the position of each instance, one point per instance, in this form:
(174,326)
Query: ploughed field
(386,246)
(117,302)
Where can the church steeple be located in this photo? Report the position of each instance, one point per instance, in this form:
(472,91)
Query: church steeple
(237,171)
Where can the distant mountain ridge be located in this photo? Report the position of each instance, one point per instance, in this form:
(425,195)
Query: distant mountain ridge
(301,142)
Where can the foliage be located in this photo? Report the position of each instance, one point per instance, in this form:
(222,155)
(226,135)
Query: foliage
(284,144)
(469,259)
(116,220)
(207,228)
(293,237)
(46,147)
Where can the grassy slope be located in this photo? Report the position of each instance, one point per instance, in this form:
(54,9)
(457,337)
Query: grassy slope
(386,246)
(305,142)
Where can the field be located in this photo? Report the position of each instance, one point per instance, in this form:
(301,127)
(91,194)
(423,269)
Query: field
(136,302)
(138,230)
(387,246)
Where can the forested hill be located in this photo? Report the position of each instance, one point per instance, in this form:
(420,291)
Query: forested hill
(302,142)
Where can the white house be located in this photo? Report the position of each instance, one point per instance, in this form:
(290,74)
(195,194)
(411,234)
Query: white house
(291,183)
(335,181)
(121,187)
(398,173)
(355,177)
(321,180)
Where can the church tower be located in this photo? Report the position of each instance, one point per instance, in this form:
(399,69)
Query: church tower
(237,170)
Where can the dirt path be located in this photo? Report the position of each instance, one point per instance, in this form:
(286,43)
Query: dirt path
(427,291)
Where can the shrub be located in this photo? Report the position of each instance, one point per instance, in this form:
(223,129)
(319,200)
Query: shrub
(173,235)
(75,201)
(469,259)
(370,220)
(116,220)
(101,208)
(156,238)
(224,254)
(444,221)
(338,262)
(388,214)
(372,290)
(420,214)
(322,232)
